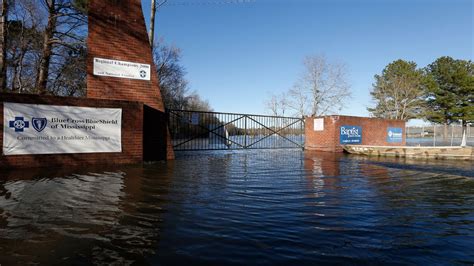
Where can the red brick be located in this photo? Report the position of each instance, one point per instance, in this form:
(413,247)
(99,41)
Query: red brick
(374,132)
(117,31)
(132,139)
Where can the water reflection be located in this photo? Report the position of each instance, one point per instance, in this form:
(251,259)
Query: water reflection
(243,207)
(89,216)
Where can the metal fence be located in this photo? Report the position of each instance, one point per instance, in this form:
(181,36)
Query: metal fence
(438,135)
(193,130)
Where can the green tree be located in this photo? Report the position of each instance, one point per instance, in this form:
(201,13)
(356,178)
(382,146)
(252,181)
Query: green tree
(399,91)
(451,92)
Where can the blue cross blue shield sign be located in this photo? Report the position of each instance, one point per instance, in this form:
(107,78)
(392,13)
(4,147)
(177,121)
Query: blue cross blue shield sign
(39,123)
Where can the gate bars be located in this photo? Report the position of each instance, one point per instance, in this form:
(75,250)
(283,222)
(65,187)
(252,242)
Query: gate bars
(197,130)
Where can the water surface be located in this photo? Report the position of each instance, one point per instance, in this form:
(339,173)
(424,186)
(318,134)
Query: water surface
(270,207)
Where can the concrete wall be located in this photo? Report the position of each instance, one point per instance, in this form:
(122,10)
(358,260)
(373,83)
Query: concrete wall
(132,134)
(374,132)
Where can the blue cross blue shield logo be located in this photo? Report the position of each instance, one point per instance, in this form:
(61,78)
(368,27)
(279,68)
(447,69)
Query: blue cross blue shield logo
(19,124)
(39,123)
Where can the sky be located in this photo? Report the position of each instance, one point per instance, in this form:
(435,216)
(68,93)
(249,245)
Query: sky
(236,55)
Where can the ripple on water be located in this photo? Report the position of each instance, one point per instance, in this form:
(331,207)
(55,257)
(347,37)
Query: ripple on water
(243,207)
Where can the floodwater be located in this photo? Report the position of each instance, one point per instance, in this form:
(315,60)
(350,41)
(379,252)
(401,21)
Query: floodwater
(252,207)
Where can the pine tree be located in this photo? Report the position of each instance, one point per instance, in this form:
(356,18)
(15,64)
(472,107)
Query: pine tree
(451,92)
(398,91)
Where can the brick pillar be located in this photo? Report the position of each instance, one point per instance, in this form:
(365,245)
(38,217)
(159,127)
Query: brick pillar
(322,139)
(117,31)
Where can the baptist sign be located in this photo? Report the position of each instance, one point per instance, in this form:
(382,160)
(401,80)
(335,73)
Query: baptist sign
(350,135)
(50,129)
(121,69)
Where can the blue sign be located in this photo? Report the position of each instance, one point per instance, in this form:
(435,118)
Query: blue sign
(39,123)
(350,135)
(394,134)
(19,124)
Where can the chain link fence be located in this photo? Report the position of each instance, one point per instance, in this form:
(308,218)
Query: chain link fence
(438,135)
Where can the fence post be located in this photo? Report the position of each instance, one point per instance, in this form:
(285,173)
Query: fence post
(422,133)
(406,133)
(245,132)
(452,134)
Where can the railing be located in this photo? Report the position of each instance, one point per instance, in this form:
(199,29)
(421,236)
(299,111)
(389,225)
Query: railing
(438,135)
(196,130)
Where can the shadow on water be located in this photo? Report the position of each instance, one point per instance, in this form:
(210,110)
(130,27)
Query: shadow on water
(261,207)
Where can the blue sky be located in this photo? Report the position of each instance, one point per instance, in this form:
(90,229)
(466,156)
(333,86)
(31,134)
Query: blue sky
(235,55)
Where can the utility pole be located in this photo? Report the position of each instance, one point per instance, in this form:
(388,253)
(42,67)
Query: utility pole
(151,34)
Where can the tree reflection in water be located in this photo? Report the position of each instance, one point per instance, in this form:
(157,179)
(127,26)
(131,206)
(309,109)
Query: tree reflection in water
(261,207)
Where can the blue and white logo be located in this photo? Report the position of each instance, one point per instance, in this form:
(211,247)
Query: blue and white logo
(350,135)
(19,124)
(394,134)
(39,123)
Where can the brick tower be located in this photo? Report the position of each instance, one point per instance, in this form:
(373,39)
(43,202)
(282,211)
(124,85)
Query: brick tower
(117,31)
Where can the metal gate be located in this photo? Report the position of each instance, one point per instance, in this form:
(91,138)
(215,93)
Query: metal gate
(195,130)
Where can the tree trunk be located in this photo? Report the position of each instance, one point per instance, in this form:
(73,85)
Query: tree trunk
(14,78)
(464,136)
(3,48)
(151,35)
(43,71)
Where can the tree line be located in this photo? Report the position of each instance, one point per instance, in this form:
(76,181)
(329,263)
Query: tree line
(43,46)
(442,92)
(43,50)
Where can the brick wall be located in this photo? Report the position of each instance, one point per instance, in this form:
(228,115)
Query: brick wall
(117,31)
(132,134)
(374,132)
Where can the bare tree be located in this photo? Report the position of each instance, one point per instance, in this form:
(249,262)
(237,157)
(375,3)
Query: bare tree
(23,45)
(43,70)
(272,104)
(64,26)
(28,24)
(170,74)
(277,104)
(322,88)
(284,103)
(194,102)
(298,100)
(70,78)
(173,85)
(3,48)
(324,84)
